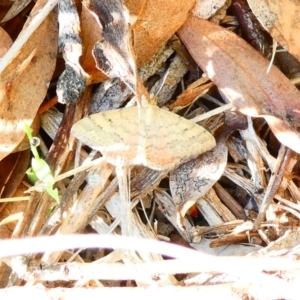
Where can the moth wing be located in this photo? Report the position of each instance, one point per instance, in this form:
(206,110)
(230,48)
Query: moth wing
(173,140)
(113,133)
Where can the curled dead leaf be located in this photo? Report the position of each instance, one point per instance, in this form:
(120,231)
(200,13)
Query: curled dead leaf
(193,179)
(90,34)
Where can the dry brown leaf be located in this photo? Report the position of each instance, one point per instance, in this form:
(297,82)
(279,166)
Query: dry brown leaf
(153,23)
(194,90)
(135,7)
(5,42)
(240,73)
(156,22)
(281,19)
(23,84)
(13,168)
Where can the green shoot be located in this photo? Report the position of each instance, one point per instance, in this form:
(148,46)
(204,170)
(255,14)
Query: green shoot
(40,170)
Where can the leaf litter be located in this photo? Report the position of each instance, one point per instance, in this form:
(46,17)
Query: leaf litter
(243,190)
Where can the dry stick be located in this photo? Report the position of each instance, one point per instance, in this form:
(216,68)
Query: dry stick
(77,217)
(212,113)
(283,158)
(291,210)
(230,202)
(288,202)
(244,183)
(13,199)
(28,214)
(107,193)
(114,225)
(83,167)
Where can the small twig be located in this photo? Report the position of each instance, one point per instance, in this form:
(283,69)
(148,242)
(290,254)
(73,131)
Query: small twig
(14,199)
(287,202)
(244,183)
(274,182)
(114,225)
(213,112)
(79,169)
(273,56)
(289,209)
(45,106)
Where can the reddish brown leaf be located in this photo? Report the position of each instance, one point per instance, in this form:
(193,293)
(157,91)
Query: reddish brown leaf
(239,71)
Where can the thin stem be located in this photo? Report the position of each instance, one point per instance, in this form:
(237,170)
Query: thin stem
(212,113)
(123,173)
